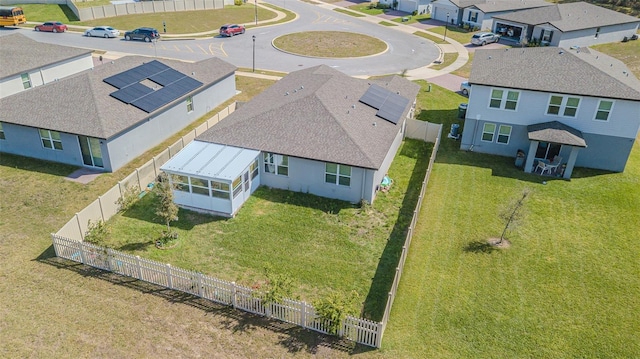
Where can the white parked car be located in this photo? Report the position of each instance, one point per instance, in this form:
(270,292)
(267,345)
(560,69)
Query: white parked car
(465,88)
(483,38)
(102,31)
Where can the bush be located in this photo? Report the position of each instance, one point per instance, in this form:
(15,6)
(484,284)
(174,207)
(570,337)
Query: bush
(128,198)
(237,2)
(335,308)
(97,233)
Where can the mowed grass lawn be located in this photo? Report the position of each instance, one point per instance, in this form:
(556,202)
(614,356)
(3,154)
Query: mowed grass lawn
(324,245)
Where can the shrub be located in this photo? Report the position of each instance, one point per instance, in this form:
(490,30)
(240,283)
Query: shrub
(97,233)
(335,308)
(128,198)
(237,2)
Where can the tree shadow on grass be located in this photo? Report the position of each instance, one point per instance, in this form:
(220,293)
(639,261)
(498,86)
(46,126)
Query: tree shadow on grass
(293,338)
(138,246)
(479,247)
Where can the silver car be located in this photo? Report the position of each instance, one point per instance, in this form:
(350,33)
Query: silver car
(102,31)
(483,38)
(465,88)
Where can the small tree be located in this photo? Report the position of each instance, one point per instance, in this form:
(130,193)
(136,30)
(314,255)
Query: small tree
(335,308)
(128,198)
(277,287)
(97,233)
(511,214)
(166,208)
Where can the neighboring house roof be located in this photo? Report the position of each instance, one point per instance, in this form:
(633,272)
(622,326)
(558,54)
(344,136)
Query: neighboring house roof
(27,54)
(315,113)
(556,132)
(570,17)
(506,5)
(81,104)
(550,69)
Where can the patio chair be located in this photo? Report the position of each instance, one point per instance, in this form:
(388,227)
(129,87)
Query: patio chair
(553,166)
(543,167)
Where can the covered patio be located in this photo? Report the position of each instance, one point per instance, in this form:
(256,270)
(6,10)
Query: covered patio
(549,144)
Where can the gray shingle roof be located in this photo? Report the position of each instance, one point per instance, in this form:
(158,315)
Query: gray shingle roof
(27,54)
(570,17)
(315,113)
(550,69)
(80,104)
(506,5)
(556,132)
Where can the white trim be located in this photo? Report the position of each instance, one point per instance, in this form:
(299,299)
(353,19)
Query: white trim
(493,133)
(598,109)
(503,99)
(563,105)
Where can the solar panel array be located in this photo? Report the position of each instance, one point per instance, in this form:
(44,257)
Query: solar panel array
(390,105)
(130,91)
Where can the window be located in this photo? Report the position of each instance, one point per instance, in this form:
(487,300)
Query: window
(503,99)
(504,132)
(487,132)
(26,81)
(547,35)
(190,104)
(597,32)
(254,169)
(473,16)
(199,186)
(563,106)
(2,137)
(337,174)
(237,186)
(51,139)
(604,109)
(276,164)
(220,189)
(181,183)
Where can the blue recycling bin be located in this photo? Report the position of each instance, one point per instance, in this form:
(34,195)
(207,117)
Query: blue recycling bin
(454,130)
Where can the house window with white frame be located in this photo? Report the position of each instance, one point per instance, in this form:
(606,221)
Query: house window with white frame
(237,186)
(254,169)
(51,139)
(473,16)
(180,183)
(546,35)
(604,109)
(26,81)
(504,99)
(199,186)
(190,104)
(2,137)
(337,174)
(220,189)
(276,164)
(488,130)
(504,133)
(563,106)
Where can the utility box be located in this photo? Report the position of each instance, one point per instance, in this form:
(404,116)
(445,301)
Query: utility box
(462,110)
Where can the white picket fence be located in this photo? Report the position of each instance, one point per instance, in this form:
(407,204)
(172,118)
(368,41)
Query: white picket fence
(359,330)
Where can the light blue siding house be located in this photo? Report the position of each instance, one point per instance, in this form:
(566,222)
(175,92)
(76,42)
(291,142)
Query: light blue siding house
(104,117)
(316,131)
(579,106)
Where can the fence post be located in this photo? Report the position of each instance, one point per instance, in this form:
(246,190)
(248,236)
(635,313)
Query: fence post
(155,168)
(101,210)
(379,330)
(139,268)
(233,295)
(110,259)
(80,227)
(82,256)
(199,279)
(139,182)
(303,314)
(169,281)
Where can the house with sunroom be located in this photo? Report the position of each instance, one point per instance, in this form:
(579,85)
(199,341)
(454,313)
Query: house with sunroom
(104,117)
(478,13)
(566,107)
(316,131)
(567,25)
(27,63)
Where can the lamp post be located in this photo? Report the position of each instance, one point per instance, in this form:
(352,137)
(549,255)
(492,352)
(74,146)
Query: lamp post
(254,53)
(445,27)
(255,6)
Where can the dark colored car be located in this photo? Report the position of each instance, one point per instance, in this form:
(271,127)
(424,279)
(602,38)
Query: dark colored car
(144,33)
(231,29)
(52,26)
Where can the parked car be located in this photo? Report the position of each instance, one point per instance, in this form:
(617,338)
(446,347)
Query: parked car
(52,26)
(465,88)
(102,31)
(231,29)
(483,38)
(143,33)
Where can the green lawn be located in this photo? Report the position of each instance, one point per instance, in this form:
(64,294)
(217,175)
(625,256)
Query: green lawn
(366,9)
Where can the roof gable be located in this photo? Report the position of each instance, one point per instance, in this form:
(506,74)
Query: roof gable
(555,70)
(27,54)
(316,114)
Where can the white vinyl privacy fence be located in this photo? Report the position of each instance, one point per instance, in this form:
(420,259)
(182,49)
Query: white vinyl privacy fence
(68,243)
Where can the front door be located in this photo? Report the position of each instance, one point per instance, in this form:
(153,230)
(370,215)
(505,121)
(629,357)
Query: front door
(91,151)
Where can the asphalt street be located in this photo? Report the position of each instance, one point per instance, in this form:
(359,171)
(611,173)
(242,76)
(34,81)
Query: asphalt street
(405,51)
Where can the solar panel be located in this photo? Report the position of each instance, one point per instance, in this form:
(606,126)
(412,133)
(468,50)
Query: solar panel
(136,74)
(393,107)
(375,96)
(167,77)
(166,94)
(131,93)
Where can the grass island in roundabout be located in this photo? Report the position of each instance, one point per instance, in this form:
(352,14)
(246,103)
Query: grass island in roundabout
(330,44)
